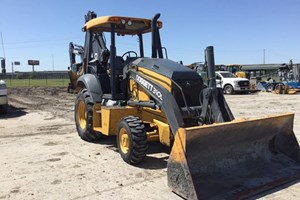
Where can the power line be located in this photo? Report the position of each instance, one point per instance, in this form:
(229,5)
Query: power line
(40,41)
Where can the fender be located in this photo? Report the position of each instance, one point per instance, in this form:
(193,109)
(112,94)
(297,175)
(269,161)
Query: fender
(92,84)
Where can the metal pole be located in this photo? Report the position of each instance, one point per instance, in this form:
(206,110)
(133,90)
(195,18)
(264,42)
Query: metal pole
(264,58)
(113,79)
(2,45)
(209,55)
(166,53)
(52,62)
(12,69)
(141,44)
(154,35)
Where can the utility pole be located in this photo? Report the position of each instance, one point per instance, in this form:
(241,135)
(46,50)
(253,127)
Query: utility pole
(12,68)
(52,62)
(2,45)
(264,58)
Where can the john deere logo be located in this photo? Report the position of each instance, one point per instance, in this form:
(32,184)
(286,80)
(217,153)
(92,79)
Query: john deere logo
(187,83)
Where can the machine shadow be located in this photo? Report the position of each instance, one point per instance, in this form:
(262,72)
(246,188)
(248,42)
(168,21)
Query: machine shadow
(109,141)
(157,156)
(151,161)
(14,112)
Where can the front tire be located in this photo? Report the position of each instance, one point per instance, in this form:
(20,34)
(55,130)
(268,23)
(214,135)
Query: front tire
(132,140)
(84,117)
(228,89)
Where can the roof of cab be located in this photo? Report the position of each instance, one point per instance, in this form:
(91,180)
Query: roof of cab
(124,25)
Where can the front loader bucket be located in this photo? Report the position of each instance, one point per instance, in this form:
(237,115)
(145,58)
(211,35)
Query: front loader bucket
(234,160)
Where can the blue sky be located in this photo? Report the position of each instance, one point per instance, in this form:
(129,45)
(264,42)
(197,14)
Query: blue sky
(239,30)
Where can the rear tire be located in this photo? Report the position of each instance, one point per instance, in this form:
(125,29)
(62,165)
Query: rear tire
(84,117)
(228,89)
(132,140)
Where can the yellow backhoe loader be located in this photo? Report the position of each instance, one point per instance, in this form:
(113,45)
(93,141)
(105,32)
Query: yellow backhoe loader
(142,99)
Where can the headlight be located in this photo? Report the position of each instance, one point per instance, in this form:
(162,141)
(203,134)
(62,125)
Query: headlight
(129,23)
(236,83)
(123,21)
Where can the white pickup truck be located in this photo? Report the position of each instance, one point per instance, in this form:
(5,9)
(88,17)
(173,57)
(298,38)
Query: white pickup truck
(230,83)
(3,98)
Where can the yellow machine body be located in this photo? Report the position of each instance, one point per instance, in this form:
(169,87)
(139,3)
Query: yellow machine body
(240,74)
(107,118)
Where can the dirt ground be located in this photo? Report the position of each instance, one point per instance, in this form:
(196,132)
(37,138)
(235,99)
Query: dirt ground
(42,156)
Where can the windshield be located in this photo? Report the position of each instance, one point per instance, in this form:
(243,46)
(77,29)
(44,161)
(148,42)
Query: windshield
(227,75)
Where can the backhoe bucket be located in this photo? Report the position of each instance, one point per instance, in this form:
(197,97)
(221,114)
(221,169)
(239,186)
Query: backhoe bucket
(73,79)
(234,160)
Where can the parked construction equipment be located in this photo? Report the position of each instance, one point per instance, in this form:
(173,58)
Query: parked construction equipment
(141,99)
(289,82)
(233,68)
(287,76)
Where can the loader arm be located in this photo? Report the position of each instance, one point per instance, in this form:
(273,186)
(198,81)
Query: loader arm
(213,98)
(162,97)
(232,159)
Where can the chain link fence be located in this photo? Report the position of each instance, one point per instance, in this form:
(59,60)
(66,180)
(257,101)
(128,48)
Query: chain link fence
(28,79)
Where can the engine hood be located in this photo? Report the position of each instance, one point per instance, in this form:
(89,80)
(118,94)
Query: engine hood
(240,79)
(168,68)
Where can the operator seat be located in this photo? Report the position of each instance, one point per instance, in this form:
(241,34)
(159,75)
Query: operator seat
(119,65)
(120,82)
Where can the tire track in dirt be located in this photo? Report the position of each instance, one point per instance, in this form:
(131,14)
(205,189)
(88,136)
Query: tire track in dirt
(55,100)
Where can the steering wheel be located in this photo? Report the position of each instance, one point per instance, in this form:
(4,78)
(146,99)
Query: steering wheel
(128,56)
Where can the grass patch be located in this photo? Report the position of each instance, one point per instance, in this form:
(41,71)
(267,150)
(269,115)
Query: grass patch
(36,82)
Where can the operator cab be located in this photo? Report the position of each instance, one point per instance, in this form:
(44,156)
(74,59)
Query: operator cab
(108,66)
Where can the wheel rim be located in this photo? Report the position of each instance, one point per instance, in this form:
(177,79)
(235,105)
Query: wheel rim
(81,113)
(123,140)
(228,90)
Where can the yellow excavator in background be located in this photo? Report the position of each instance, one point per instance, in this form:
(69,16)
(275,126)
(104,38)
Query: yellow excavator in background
(142,99)
(233,68)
